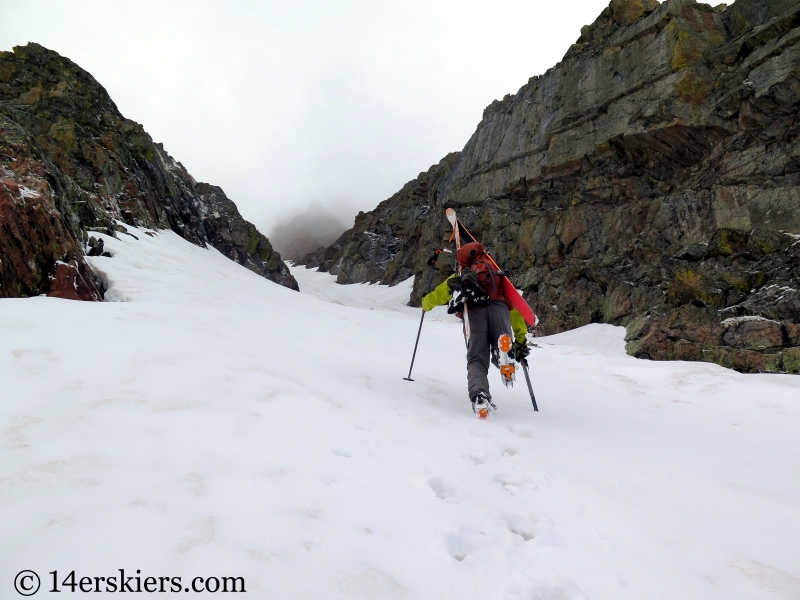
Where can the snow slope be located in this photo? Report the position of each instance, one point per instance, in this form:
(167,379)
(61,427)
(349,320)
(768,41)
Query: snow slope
(212,423)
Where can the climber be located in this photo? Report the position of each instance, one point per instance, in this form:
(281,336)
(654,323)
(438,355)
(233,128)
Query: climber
(489,316)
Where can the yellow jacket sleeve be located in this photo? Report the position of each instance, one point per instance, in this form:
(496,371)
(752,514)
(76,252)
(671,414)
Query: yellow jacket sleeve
(519,327)
(439,296)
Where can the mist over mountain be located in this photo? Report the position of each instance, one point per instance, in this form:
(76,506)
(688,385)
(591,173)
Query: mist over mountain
(298,233)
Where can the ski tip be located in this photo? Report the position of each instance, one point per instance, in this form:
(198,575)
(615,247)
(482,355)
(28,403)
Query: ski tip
(483,413)
(451,216)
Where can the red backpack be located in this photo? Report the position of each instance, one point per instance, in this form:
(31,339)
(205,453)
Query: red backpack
(478,268)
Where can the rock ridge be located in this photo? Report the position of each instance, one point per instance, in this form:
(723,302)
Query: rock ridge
(70,163)
(650,179)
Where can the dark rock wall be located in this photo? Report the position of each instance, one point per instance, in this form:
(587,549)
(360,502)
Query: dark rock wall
(650,179)
(70,162)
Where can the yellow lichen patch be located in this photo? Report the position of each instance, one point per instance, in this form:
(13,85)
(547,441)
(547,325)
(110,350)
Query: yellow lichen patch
(693,88)
(688,50)
(59,90)
(630,11)
(692,34)
(724,245)
(688,286)
(7,70)
(595,183)
(737,281)
(791,361)
(63,132)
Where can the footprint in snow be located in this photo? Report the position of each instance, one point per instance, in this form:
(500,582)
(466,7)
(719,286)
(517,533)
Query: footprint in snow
(463,543)
(198,533)
(476,459)
(522,525)
(443,489)
(525,432)
(514,483)
(342,453)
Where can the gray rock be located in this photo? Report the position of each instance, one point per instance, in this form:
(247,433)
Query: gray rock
(85,166)
(650,179)
(753,333)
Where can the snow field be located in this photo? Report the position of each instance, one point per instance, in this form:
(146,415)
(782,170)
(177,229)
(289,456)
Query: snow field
(211,423)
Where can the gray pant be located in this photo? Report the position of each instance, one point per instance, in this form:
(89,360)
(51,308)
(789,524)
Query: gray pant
(486,324)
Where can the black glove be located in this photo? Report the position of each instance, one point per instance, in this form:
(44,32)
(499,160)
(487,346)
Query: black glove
(473,290)
(456,304)
(521,351)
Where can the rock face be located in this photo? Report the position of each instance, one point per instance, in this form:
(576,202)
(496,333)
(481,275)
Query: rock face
(71,163)
(651,179)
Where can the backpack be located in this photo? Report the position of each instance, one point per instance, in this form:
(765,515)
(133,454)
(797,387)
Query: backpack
(489,277)
(481,281)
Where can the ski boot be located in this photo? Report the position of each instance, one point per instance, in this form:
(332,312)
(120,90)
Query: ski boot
(481,404)
(507,369)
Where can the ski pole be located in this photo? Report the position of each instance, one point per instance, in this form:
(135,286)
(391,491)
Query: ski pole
(415,348)
(528,379)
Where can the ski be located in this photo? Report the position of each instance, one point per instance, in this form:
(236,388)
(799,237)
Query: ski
(451,216)
(462,235)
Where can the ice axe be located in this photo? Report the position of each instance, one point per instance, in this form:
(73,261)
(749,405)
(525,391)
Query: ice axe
(433,261)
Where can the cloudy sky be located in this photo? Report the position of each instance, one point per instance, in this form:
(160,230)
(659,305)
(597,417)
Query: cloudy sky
(286,102)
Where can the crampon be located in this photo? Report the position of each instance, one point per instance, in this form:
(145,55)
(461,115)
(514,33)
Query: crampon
(507,368)
(481,405)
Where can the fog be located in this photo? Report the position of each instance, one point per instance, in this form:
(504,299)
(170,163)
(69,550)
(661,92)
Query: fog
(301,232)
(287,103)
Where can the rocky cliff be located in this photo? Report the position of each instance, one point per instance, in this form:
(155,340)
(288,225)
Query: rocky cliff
(651,179)
(70,163)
